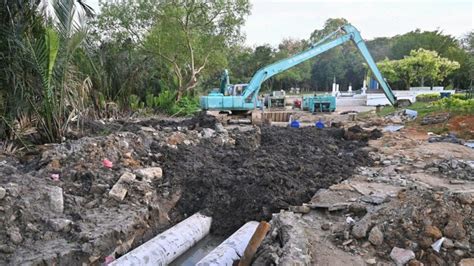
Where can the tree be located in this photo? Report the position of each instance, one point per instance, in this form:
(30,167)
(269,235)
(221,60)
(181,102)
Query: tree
(192,35)
(419,66)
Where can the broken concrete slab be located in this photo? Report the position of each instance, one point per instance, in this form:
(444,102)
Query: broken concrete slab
(56,200)
(401,256)
(150,173)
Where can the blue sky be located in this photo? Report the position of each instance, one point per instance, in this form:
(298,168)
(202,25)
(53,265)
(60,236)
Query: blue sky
(273,20)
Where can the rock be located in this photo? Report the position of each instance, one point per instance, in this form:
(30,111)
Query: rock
(15,236)
(464,198)
(149,173)
(448,243)
(56,200)
(455,229)
(433,231)
(386,162)
(376,236)
(207,133)
(220,128)
(415,263)
(371,261)
(3,193)
(326,226)
(401,256)
(360,228)
(466,262)
(459,253)
(462,244)
(60,224)
(358,209)
(373,199)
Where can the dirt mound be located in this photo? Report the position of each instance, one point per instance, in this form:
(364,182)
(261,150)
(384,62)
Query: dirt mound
(238,183)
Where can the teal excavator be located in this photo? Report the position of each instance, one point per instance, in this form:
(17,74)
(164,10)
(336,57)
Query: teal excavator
(244,97)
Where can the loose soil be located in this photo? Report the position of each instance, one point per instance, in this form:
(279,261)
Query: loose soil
(261,174)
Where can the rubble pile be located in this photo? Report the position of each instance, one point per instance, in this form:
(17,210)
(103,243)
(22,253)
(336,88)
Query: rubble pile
(412,223)
(454,168)
(94,197)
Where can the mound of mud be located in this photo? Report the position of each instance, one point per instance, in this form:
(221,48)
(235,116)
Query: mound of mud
(262,173)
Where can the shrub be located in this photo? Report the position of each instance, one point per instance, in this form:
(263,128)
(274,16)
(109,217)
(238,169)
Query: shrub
(427,97)
(454,104)
(186,106)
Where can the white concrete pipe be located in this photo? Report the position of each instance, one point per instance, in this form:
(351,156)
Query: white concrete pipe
(232,248)
(167,246)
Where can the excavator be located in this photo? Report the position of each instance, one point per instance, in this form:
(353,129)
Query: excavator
(240,98)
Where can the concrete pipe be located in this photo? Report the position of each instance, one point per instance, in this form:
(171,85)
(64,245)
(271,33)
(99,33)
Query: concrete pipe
(167,246)
(232,248)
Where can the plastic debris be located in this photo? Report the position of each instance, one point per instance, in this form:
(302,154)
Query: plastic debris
(349,220)
(108,260)
(412,114)
(469,144)
(437,245)
(392,128)
(55,177)
(107,163)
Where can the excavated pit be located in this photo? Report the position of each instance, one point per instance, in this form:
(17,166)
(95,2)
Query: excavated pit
(268,169)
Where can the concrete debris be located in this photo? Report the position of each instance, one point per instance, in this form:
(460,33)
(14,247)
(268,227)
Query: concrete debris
(401,256)
(392,128)
(150,173)
(119,190)
(56,200)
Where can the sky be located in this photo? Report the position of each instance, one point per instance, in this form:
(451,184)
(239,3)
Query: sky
(273,20)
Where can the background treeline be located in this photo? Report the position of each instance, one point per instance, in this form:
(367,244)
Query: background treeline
(65,62)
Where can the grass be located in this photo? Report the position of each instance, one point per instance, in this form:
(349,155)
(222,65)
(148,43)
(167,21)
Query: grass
(423,108)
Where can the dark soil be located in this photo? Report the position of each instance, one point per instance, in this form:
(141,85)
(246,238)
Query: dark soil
(261,174)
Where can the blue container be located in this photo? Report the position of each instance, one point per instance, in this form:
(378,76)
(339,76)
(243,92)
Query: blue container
(295,124)
(319,125)
(445,94)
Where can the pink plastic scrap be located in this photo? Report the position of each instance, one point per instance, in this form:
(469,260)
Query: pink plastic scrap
(108,260)
(107,163)
(55,177)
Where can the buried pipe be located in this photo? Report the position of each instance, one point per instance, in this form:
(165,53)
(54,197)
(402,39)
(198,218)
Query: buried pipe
(167,246)
(232,248)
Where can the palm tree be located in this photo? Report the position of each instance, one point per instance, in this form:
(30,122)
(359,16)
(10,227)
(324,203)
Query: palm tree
(40,70)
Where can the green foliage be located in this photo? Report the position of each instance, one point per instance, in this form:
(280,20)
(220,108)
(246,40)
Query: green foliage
(186,106)
(454,104)
(419,66)
(427,97)
(135,103)
(192,38)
